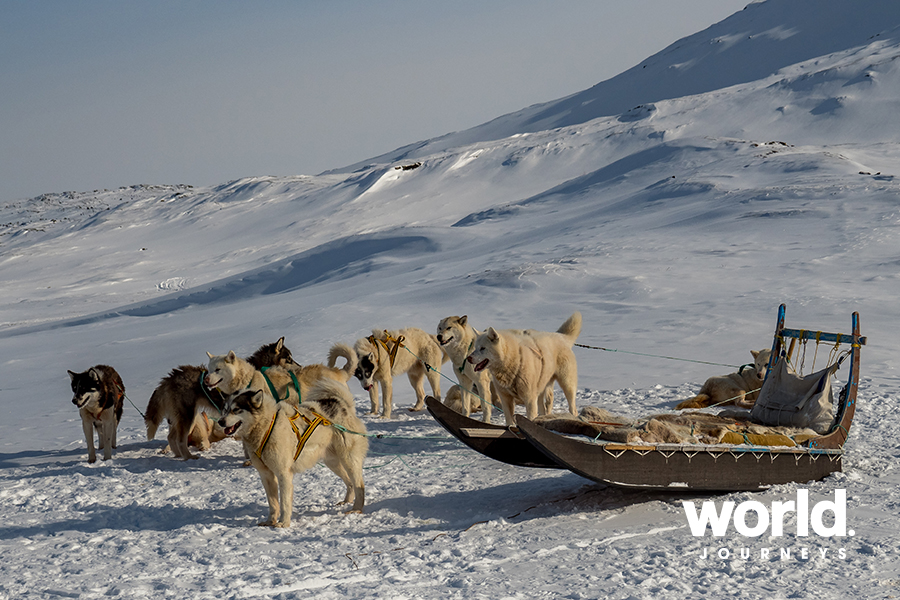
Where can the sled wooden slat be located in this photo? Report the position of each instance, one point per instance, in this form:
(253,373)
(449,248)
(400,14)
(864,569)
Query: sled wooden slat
(494,441)
(821,336)
(492,434)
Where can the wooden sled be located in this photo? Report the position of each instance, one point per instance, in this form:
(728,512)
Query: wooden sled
(715,467)
(494,441)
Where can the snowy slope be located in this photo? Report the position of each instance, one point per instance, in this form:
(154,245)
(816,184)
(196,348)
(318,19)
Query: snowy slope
(675,206)
(751,45)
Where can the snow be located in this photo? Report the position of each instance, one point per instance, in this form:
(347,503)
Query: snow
(675,218)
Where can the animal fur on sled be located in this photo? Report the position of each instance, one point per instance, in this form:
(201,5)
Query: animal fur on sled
(683,428)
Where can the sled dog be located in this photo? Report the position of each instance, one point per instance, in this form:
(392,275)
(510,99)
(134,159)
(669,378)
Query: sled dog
(523,364)
(98,394)
(275,354)
(182,398)
(231,374)
(386,354)
(457,337)
(282,439)
(310,375)
(741,388)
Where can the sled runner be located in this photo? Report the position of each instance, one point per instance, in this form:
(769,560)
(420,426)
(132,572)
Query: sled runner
(720,467)
(494,441)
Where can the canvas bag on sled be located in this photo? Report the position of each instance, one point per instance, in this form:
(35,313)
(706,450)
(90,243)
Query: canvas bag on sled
(797,401)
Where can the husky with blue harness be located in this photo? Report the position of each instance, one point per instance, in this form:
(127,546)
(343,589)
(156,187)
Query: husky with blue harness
(282,439)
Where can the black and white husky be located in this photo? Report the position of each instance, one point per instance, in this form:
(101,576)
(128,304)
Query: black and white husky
(387,354)
(282,439)
(98,394)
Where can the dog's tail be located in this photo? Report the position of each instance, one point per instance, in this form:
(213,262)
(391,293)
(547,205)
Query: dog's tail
(572,327)
(155,413)
(698,401)
(341,350)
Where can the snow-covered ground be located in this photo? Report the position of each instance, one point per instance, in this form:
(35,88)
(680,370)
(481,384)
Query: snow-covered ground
(676,206)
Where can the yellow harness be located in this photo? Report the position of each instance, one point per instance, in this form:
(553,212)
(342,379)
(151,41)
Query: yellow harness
(302,436)
(392,352)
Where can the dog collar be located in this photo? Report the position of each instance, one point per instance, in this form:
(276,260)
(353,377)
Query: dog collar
(468,352)
(206,392)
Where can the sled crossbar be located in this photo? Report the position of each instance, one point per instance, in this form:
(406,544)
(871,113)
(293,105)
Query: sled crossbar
(820,336)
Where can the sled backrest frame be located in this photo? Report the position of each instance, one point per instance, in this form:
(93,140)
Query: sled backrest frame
(840,429)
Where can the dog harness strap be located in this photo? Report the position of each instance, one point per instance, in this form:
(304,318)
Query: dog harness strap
(265,441)
(272,387)
(392,352)
(296,387)
(206,393)
(468,352)
(303,437)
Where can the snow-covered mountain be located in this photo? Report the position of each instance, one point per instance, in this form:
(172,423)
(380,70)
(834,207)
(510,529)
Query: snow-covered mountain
(675,205)
(802,43)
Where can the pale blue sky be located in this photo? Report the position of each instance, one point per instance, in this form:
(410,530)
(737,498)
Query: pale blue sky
(100,94)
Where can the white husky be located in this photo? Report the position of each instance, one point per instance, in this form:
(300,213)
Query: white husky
(231,374)
(741,388)
(457,337)
(523,364)
(282,439)
(385,354)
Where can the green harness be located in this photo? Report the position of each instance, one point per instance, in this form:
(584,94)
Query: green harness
(287,392)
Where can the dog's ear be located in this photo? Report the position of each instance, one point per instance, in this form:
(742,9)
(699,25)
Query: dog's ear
(72,375)
(257,400)
(94,373)
(492,334)
(463,320)
(755,353)
(231,357)
(210,355)
(279,344)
